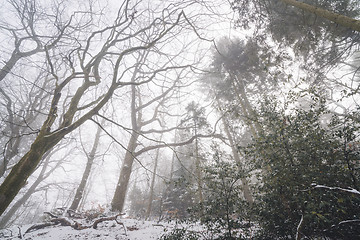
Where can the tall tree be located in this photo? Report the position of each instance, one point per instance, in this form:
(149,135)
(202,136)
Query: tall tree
(238,72)
(197,124)
(86,174)
(82,64)
(152,185)
(142,127)
(342,20)
(301,26)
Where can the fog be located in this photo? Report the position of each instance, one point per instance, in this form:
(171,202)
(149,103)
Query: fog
(180,110)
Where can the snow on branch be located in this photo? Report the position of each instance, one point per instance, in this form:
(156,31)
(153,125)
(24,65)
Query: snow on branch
(74,224)
(348,190)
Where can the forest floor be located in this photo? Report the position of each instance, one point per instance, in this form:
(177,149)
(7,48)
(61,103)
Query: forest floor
(128,229)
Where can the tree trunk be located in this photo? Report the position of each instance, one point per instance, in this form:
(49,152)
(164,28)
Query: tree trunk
(198,168)
(244,109)
(334,17)
(151,196)
(15,57)
(173,159)
(90,160)
(247,108)
(118,201)
(9,214)
(246,189)
(12,147)
(24,168)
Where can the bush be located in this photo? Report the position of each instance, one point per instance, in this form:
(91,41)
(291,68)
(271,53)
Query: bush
(223,210)
(180,233)
(294,151)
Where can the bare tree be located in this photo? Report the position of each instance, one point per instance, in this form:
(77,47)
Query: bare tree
(95,64)
(89,163)
(140,108)
(34,29)
(147,111)
(152,185)
(21,114)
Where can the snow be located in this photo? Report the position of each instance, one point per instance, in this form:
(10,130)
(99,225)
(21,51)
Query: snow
(110,230)
(135,230)
(349,190)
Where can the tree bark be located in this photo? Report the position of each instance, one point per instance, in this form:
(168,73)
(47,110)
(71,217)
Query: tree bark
(118,201)
(45,141)
(334,17)
(90,160)
(21,171)
(9,214)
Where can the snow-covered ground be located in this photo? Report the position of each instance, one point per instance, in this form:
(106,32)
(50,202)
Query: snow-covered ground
(130,230)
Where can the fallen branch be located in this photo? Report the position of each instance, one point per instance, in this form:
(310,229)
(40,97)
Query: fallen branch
(39,226)
(158,225)
(113,218)
(75,225)
(4,235)
(51,214)
(61,221)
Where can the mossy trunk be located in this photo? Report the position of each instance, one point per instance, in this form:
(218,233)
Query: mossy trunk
(334,17)
(10,213)
(18,176)
(5,220)
(26,166)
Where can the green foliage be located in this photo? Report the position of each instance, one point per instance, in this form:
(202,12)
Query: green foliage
(179,196)
(181,193)
(180,233)
(138,203)
(254,65)
(223,211)
(316,40)
(294,151)
(197,114)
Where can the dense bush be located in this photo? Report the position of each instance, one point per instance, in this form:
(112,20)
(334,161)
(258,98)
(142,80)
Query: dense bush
(294,152)
(223,211)
(180,233)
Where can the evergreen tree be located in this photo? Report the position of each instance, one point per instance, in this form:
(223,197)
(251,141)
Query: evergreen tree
(185,187)
(320,32)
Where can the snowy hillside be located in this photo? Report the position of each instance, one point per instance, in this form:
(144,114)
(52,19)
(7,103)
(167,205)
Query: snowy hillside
(130,230)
